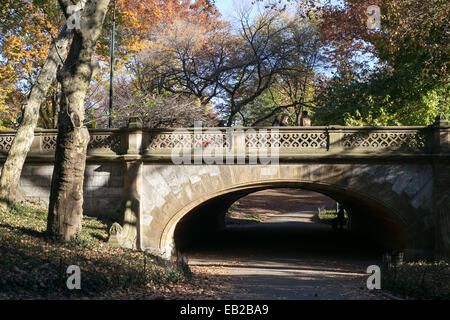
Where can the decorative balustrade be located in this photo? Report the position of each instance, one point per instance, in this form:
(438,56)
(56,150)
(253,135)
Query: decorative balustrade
(288,141)
(185,138)
(407,140)
(44,143)
(297,140)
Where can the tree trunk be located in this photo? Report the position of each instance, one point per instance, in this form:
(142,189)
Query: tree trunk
(66,197)
(12,168)
(298,115)
(56,102)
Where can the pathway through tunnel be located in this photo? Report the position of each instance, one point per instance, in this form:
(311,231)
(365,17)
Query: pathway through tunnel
(275,246)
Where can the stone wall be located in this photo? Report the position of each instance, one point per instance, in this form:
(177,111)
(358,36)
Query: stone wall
(103,188)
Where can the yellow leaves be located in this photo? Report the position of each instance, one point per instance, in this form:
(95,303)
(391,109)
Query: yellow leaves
(24,48)
(24,56)
(139,18)
(26,41)
(136,44)
(10,97)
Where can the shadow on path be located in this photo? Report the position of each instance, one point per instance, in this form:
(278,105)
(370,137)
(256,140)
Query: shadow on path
(287,258)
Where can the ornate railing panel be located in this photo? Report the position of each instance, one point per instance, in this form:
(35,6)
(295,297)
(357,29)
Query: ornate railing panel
(178,139)
(101,141)
(286,140)
(49,143)
(387,140)
(249,139)
(106,142)
(6,143)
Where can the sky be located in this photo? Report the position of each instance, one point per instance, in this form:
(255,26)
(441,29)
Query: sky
(227,7)
(228,10)
(224,6)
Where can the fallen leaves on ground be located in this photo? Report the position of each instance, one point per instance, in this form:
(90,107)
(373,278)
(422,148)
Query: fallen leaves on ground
(33,266)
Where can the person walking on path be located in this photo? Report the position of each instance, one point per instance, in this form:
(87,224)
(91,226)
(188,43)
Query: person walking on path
(341,218)
(277,121)
(284,120)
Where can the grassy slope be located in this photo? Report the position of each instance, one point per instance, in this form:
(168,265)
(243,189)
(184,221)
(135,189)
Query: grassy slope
(34,266)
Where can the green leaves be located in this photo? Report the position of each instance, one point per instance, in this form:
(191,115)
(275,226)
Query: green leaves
(409,86)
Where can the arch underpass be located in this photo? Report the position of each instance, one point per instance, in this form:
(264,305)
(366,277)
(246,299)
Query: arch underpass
(197,200)
(369,220)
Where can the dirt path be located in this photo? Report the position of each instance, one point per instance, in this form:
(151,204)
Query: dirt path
(288,255)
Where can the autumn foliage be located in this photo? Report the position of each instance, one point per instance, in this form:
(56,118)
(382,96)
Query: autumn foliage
(26,35)
(411,47)
(404,79)
(29,26)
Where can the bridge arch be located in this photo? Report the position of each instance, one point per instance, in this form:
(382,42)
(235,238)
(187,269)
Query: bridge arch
(369,213)
(383,195)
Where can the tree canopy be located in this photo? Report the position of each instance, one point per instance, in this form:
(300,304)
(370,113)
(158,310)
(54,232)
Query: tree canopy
(409,83)
(307,55)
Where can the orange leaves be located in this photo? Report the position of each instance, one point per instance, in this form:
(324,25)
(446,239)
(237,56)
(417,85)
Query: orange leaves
(28,28)
(347,24)
(407,28)
(140,18)
(26,36)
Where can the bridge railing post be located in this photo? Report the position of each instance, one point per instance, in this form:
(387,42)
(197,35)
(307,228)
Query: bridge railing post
(441,146)
(36,145)
(442,135)
(239,148)
(135,137)
(335,135)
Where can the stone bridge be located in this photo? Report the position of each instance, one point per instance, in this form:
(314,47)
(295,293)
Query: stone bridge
(163,186)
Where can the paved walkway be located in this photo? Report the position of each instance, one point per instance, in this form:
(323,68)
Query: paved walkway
(288,256)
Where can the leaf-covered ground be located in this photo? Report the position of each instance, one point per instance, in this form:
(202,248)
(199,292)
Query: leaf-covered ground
(34,266)
(418,280)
